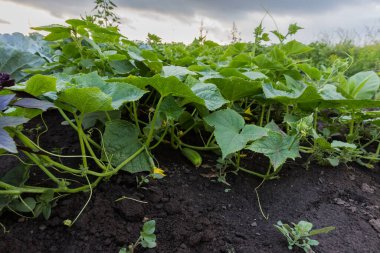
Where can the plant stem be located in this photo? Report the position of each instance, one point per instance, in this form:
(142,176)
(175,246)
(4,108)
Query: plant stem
(252,172)
(180,143)
(153,123)
(76,128)
(262,115)
(161,138)
(43,168)
(135,115)
(80,136)
(268,114)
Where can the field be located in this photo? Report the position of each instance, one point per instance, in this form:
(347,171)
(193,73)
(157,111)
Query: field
(113,145)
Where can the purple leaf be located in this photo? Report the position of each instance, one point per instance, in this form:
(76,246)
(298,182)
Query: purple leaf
(34,103)
(5,100)
(6,142)
(10,121)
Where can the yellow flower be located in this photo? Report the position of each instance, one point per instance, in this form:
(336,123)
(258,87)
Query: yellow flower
(248,111)
(158,171)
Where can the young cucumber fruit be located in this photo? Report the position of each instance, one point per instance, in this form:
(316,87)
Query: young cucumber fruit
(193,156)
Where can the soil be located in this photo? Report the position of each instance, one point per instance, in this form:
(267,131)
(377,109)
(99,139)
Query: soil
(195,213)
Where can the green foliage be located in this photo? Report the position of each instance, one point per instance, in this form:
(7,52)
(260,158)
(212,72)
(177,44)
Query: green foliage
(124,99)
(231,133)
(147,238)
(299,235)
(105,15)
(121,142)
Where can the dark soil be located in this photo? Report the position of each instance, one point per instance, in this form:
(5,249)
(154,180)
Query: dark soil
(194,213)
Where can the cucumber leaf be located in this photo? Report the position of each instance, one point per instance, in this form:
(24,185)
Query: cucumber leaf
(121,142)
(231,133)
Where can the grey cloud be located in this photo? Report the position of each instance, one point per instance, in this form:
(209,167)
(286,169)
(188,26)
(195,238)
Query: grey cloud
(2,21)
(210,8)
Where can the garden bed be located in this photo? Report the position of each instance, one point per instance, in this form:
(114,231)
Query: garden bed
(195,213)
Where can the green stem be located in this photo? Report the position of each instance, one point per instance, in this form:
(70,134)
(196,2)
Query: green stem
(108,116)
(316,119)
(43,168)
(262,115)
(81,135)
(252,172)
(180,143)
(153,123)
(161,138)
(70,170)
(76,128)
(268,114)
(135,115)
(189,129)
(287,113)
(378,150)
(93,155)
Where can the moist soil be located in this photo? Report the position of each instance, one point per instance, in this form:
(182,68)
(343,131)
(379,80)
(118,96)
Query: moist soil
(196,213)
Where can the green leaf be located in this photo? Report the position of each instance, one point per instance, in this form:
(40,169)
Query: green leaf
(321,231)
(231,133)
(13,61)
(293,29)
(148,241)
(333,161)
(312,72)
(121,142)
(149,227)
(170,108)
(27,206)
(177,71)
(22,112)
(210,94)
(363,85)
(235,88)
(87,99)
(341,144)
(120,92)
(90,119)
(294,47)
(304,227)
(328,92)
(277,147)
(298,93)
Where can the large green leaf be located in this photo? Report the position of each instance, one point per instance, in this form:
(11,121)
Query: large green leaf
(119,91)
(294,47)
(177,71)
(231,133)
(13,61)
(235,88)
(297,92)
(362,85)
(87,99)
(208,92)
(277,146)
(121,142)
(40,84)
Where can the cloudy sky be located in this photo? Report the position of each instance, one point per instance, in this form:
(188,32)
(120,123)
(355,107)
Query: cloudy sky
(179,20)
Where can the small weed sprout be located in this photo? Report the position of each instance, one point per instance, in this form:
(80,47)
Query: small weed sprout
(299,235)
(147,238)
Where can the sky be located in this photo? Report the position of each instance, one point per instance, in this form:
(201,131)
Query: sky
(179,20)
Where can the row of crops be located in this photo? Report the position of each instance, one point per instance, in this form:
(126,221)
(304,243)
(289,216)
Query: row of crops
(125,99)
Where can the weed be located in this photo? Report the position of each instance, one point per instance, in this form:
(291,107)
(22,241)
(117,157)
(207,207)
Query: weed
(299,235)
